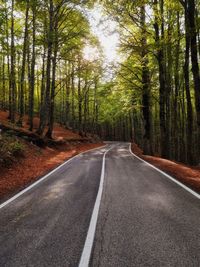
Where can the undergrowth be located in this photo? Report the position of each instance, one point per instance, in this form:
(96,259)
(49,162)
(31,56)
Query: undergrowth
(11,148)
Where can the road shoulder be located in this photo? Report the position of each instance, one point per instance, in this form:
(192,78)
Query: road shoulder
(188,175)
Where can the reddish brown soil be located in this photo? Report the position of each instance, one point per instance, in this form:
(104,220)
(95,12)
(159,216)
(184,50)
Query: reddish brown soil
(186,174)
(38,161)
(59,132)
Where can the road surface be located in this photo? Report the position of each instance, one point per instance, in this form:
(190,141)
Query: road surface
(144,219)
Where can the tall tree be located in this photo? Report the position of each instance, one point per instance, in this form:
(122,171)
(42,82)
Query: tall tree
(32,74)
(12,94)
(146,86)
(25,47)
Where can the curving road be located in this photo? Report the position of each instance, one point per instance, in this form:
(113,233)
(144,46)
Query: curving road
(144,218)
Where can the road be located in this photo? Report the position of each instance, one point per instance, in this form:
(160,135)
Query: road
(145,219)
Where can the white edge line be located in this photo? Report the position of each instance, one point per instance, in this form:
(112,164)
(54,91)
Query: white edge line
(167,175)
(86,253)
(43,178)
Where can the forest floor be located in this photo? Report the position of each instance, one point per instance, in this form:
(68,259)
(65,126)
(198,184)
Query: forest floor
(35,161)
(186,174)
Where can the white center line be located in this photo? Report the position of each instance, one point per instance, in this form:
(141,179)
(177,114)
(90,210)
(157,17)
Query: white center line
(85,257)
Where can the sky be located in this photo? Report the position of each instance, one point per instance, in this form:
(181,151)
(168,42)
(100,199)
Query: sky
(105,30)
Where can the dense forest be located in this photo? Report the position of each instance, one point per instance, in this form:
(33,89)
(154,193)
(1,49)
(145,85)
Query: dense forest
(152,94)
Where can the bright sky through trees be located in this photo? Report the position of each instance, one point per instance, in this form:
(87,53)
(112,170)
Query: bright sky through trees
(105,29)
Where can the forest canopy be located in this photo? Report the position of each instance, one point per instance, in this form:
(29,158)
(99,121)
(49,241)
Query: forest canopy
(144,88)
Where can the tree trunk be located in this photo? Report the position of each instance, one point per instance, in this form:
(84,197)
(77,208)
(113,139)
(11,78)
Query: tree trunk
(42,89)
(194,56)
(32,75)
(72,97)
(44,115)
(21,106)
(67,103)
(175,131)
(189,130)
(79,99)
(12,70)
(53,84)
(162,82)
(146,88)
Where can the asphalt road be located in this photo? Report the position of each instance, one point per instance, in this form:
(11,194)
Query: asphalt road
(144,219)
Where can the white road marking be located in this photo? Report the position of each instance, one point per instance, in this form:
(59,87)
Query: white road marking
(86,253)
(43,178)
(167,175)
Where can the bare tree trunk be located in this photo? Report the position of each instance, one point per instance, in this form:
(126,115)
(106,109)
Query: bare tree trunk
(72,97)
(67,102)
(79,99)
(194,56)
(189,130)
(95,109)
(4,85)
(32,75)
(45,113)
(146,88)
(8,57)
(53,83)
(12,71)
(162,81)
(21,107)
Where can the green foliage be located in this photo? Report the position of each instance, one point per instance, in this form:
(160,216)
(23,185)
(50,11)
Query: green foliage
(10,149)
(73,90)
(16,148)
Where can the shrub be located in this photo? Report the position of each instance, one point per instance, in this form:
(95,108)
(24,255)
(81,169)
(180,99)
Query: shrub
(16,149)
(10,148)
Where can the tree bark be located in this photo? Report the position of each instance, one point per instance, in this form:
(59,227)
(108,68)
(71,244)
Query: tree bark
(53,84)
(162,84)
(146,109)
(44,115)
(12,108)
(194,56)
(21,106)
(79,98)
(32,74)
(189,130)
